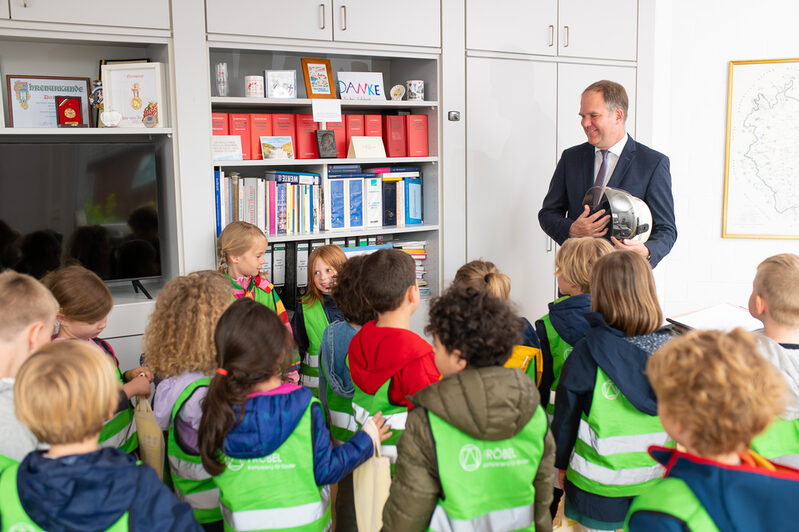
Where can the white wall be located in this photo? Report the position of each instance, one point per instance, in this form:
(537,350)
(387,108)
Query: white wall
(694,42)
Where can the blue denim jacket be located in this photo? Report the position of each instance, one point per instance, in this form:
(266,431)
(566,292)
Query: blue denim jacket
(335,343)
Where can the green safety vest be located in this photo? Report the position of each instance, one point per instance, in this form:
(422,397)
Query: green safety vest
(672,496)
(13,514)
(120,431)
(610,455)
(559,350)
(365,406)
(779,442)
(315,322)
(342,418)
(487,485)
(277,491)
(191,481)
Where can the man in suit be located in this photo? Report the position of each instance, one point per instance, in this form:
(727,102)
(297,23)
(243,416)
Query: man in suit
(610,158)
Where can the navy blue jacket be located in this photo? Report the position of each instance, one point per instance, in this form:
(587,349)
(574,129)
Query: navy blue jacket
(90,492)
(270,419)
(737,498)
(332,313)
(641,171)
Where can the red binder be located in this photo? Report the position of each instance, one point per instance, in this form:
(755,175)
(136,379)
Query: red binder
(283,126)
(260,126)
(340,132)
(416,127)
(219,124)
(373,125)
(354,127)
(306,138)
(394,135)
(239,124)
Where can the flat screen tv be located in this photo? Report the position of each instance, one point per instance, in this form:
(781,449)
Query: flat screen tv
(94,204)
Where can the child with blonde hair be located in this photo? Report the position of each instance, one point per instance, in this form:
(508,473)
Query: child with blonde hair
(179,348)
(64,393)
(316,311)
(606,410)
(27,316)
(241,247)
(715,393)
(84,304)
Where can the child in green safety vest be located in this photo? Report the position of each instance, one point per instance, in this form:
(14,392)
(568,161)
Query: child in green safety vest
(715,394)
(775,302)
(241,247)
(476,453)
(84,304)
(316,311)
(606,410)
(63,393)
(179,349)
(264,440)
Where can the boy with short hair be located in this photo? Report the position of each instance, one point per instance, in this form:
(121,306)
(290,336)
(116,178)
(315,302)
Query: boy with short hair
(477,451)
(775,302)
(715,393)
(388,362)
(27,316)
(64,393)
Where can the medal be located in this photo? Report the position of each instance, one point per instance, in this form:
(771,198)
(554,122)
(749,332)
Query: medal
(136,101)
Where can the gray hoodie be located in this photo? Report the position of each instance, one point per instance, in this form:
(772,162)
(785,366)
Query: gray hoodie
(16,440)
(787,361)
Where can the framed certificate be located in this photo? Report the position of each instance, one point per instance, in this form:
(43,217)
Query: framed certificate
(136,91)
(31,99)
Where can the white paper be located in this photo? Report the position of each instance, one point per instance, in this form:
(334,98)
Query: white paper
(326,110)
(366,148)
(226,148)
(725,317)
(361,86)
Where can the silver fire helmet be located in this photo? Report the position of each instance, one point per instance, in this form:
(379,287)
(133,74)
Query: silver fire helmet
(630,217)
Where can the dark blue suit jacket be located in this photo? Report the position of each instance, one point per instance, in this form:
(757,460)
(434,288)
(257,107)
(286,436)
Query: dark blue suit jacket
(641,171)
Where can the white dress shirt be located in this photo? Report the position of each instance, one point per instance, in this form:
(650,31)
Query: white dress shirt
(613,158)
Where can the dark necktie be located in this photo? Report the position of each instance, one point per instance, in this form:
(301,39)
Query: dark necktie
(603,169)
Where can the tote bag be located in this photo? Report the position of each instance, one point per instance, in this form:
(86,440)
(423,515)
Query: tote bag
(371,482)
(151,439)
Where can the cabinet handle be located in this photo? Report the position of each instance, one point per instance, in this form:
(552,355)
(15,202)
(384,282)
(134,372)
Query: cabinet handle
(24,3)
(343,18)
(321,16)
(549,244)
(565,36)
(551,35)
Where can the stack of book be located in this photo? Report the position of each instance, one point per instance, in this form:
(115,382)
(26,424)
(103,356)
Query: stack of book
(417,250)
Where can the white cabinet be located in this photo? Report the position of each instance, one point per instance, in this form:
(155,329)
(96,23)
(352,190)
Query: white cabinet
(4,13)
(299,19)
(603,30)
(408,23)
(152,14)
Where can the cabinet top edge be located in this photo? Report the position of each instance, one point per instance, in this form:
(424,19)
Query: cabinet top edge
(75,32)
(233,42)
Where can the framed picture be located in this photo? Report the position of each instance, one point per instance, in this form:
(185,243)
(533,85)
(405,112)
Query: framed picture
(136,91)
(281,83)
(277,148)
(326,143)
(96,98)
(117,62)
(30,98)
(318,78)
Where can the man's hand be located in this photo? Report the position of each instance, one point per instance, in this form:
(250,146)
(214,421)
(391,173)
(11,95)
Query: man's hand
(593,225)
(632,245)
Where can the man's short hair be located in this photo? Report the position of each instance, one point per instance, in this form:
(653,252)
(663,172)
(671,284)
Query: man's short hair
(614,94)
(387,275)
(65,391)
(23,302)
(576,257)
(777,282)
(718,387)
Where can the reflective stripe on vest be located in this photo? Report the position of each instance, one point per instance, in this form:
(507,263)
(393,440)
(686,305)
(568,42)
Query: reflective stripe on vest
(671,496)
(559,349)
(395,421)
(487,485)
(119,432)
(315,321)
(292,501)
(365,405)
(13,514)
(191,481)
(779,442)
(342,419)
(610,455)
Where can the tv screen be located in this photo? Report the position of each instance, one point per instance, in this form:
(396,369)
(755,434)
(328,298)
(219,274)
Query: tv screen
(94,204)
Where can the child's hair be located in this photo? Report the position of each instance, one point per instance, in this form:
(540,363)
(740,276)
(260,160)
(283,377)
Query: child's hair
(576,259)
(777,282)
(65,391)
(23,301)
(484,275)
(483,327)
(180,334)
(333,257)
(251,344)
(387,275)
(348,292)
(81,294)
(718,388)
(623,291)
(236,239)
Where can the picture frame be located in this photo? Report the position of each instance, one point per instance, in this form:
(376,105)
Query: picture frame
(277,147)
(326,143)
(136,91)
(318,78)
(281,83)
(30,98)
(97,94)
(68,112)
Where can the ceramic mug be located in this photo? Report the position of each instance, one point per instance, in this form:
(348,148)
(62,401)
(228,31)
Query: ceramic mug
(255,86)
(415,89)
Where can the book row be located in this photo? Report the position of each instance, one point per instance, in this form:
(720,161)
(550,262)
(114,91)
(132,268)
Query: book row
(402,135)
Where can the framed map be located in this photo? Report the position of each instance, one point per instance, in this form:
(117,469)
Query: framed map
(761,182)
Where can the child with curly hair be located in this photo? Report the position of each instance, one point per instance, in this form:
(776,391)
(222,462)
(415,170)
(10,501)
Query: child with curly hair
(179,348)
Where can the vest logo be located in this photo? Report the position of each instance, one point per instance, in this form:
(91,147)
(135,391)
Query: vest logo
(233,464)
(470,457)
(567,352)
(609,390)
(22,527)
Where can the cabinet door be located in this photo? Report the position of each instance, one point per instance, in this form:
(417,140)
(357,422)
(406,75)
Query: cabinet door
(153,14)
(298,19)
(510,139)
(512,26)
(603,30)
(572,81)
(409,23)
(4,12)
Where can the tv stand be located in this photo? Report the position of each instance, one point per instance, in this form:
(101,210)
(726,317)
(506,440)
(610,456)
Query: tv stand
(138,286)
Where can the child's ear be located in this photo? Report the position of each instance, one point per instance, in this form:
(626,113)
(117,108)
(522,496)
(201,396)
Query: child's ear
(461,364)
(760,305)
(413,294)
(33,335)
